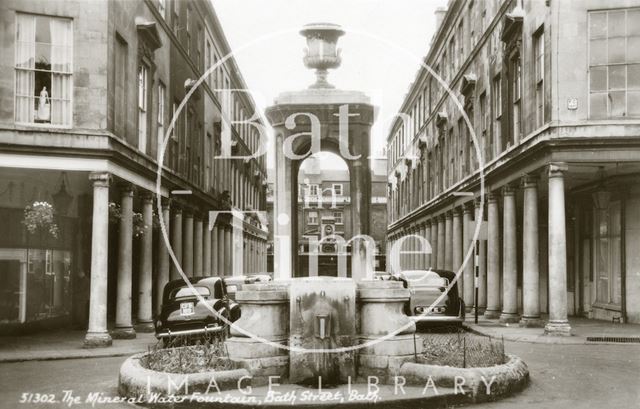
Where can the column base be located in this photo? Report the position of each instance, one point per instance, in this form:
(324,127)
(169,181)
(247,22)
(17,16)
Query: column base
(123,333)
(509,318)
(97,340)
(531,322)
(557,328)
(491,314)
(472,312)
(145,326)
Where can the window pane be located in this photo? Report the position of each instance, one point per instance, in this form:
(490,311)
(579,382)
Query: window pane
(633,22)
(598,105)
(598,24)
(633,76)
(617,24)
(633,49)
(633,100)
(617,76)
(598,78)
(618,104)
(598,52)
(616,50)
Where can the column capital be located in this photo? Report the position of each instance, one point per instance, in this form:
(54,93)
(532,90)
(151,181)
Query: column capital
(492,197)
(165,202)
(557,169)
(146,196)
(126,188)
(508,190)
(529,181)
(440,217)
(101,179)
(427,223)
(469,206)
(448,214)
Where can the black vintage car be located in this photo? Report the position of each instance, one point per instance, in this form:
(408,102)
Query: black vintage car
(184,315)
(425,287)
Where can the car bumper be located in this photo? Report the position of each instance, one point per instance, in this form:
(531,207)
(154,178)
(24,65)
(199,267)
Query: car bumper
(209,329)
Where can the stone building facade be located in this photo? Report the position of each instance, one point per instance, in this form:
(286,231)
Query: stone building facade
(549,175)
(88,94)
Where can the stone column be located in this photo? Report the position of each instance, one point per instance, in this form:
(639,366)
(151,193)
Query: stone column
(530,253)
(124,327)
(427,236)
(493,258)
(283,214)
(97,334)
(482,279)
(422,265)
(163,257)
(214,251)
(457,245)
(206,248)
(187,244)
(468,283)
(441,243)
(509,258)
(558,323)
(448,240)
(198,252)
(145,274)
(176,241)
(265,314)
(434,243)
(222,262)
(228,256)
(385,299)
(237,247)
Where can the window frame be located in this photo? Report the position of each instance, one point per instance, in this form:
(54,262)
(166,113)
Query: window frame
(70,74)
(312,218)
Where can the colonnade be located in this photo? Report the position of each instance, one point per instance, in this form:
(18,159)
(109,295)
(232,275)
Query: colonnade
(450,233)
(199,251)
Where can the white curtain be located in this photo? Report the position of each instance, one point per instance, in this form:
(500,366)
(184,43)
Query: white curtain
(61,46)
(25,58)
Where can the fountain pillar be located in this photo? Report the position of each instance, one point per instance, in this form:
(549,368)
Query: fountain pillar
(381,306)
(265,315)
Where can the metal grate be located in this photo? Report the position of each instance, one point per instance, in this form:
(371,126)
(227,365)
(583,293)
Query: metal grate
(614,339)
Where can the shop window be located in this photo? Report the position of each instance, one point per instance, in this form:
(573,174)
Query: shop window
(43,70)
(36,284)
(608,255)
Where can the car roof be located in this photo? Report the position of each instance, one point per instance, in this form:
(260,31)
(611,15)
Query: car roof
(206,281)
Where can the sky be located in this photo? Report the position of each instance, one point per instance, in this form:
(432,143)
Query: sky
(382,49)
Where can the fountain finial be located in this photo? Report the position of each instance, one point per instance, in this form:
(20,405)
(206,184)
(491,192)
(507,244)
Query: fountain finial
(321,52)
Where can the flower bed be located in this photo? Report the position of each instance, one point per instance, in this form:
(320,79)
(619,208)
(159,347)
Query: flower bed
(201,357)
(462,350)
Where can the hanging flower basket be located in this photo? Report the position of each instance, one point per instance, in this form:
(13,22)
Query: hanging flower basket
(115,215)
(39,216)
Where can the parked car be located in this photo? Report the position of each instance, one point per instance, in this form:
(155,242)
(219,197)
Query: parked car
(184,315)
(235,283)
(425,287)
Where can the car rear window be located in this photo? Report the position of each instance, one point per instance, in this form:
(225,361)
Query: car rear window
(187,292)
